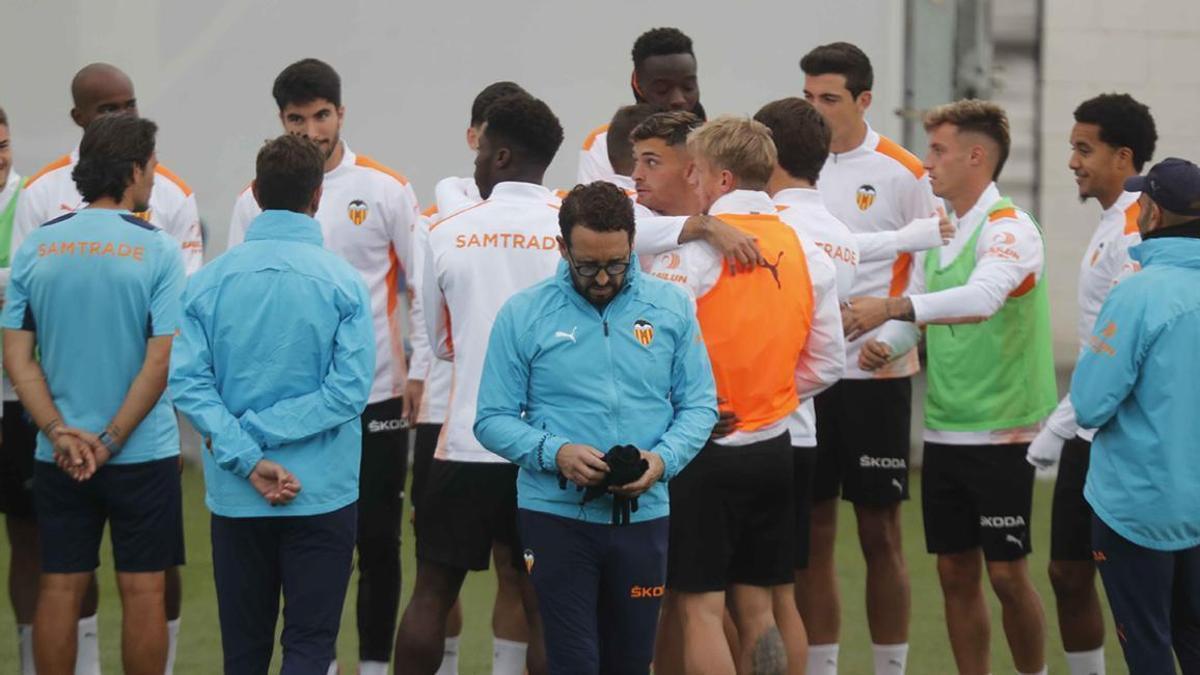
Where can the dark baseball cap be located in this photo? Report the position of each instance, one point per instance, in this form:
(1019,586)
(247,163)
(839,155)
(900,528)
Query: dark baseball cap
(1173,184)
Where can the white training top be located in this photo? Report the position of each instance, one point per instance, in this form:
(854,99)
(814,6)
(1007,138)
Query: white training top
(51,192)
(593,158)
(877,187)
(697,267)
(367,215)
(476,260)
(1009,257)
(830,247)
(804,210)
(1105,263)
(438,375)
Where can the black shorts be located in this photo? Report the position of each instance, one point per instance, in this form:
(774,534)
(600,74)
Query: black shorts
(1071,515)
(805,472)
(424,444)
(977,496)
(141,502)
(467,506)
(383,470)
(17,448)
(863,429)
(733,518)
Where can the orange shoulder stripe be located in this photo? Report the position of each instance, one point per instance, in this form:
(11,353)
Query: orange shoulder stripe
(591,138)
(1131,218)
(430,212)
(1027,285)
(363,160)
(897,152)
(174,178)
(1002,213)
(52,166)
(901,269)
(459,212)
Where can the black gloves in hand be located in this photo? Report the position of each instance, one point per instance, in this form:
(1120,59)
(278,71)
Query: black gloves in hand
(625,465)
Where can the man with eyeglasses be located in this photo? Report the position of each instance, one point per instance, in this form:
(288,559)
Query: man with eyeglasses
(595,449)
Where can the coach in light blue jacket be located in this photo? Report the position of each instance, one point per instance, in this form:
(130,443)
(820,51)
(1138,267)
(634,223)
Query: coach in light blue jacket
(1139,384)
(598,356)
(273,366)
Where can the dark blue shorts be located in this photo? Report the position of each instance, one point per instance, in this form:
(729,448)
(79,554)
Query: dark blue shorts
(141,502)
(599,588)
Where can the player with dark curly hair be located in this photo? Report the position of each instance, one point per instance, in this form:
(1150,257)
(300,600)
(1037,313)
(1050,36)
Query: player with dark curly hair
(1113,138)
(664,75)
(474,261)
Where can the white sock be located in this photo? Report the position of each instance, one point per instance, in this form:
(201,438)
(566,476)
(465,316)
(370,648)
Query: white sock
(333,668)
(25,648)
(1040,672)
(372,668)
(890,659)
(1086,663)
(87,654)
(172,644)
(822,659)
(508,657)
(449,658)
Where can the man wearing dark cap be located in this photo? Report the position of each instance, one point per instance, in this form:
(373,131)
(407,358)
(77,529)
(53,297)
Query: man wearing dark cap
(1137,383)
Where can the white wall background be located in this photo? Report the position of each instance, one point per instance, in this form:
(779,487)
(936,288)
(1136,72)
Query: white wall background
(1149,50)
(203,70)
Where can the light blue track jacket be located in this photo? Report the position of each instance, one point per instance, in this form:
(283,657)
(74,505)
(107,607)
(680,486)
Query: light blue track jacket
(275,360)
(1139,383)
(560,371)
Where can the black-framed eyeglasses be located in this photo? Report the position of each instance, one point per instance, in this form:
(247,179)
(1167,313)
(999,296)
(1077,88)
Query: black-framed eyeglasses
(592,269)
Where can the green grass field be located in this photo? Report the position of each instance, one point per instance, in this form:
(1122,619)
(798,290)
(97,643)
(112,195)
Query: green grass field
(200,646)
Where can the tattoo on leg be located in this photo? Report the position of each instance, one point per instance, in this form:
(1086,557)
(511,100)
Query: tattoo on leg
(769,657)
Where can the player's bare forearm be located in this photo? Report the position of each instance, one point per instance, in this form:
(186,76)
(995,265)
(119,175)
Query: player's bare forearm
(145,390)
(28,379)
(900,309)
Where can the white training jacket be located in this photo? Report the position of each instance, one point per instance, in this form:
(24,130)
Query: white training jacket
(877,187)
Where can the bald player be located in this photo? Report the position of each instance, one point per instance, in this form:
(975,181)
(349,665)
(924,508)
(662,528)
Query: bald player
(100,89)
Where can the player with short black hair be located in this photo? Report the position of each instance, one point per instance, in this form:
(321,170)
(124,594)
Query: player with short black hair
(426,402)
(284,429)
(1113,137)
(306,81)
(368,212)
(874,186)
(620,143)
(841,58)
(475,259)
(664,75)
